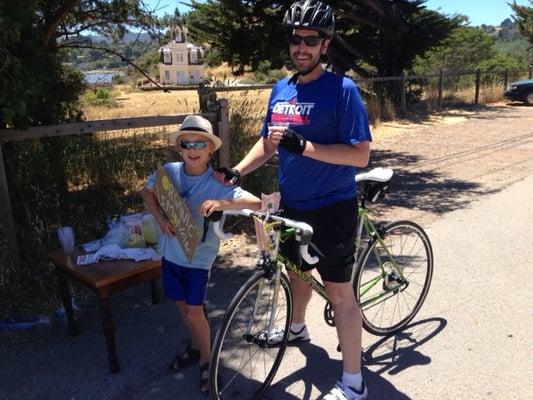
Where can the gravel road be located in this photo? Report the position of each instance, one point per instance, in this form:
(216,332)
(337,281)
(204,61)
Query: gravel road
(465,176)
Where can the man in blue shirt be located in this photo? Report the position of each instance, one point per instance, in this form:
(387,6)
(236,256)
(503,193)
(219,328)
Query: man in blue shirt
(317,123)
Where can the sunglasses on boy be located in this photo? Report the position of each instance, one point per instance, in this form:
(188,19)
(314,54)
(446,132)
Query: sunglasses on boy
(196,144)
(310,41)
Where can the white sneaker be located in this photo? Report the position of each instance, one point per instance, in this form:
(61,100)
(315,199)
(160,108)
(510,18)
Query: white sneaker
(301,336)
(276,336)
(344,392)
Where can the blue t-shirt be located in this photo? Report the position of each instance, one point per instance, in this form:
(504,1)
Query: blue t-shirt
(194,190)
(326,110)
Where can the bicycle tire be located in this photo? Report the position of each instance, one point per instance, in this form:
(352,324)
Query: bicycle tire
(390,291)
(228,377)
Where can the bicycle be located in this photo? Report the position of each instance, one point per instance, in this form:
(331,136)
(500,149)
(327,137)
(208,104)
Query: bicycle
(392,275)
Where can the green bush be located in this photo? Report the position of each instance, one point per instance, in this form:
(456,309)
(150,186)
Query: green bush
(100,97)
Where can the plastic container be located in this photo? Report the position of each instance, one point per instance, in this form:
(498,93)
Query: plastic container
(20,323)
(149,229)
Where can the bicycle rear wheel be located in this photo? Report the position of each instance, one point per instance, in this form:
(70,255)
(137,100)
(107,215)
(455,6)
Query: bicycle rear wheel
(393,279)
(243,361)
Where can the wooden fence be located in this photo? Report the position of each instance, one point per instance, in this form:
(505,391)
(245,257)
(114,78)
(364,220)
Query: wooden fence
(214,110)
(219,118)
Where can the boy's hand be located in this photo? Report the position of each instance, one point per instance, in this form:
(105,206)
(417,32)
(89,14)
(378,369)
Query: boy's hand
(227,176)
(209,206)
(166,227)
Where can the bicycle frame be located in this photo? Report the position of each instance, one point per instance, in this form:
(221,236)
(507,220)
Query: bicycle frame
(364,225)
(372,233)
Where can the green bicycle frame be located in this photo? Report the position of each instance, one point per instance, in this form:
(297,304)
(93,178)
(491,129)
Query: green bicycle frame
(373,233)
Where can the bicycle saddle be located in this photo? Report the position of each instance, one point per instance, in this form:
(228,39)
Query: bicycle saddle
(376,175)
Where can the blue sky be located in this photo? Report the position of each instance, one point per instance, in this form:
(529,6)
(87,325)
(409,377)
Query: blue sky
(490,12)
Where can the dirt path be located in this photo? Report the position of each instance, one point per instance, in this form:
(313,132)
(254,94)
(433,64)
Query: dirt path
(445,164)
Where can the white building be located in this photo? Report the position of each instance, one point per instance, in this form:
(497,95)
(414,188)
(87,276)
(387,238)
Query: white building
(180,62)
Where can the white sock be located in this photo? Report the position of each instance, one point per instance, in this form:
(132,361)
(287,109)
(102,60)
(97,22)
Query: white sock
(353,380)
(297,326)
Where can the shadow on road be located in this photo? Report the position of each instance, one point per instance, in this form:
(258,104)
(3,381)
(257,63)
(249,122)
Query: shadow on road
(426,190)
(391,354)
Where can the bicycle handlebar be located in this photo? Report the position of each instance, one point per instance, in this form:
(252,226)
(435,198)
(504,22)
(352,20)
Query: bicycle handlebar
(304,232)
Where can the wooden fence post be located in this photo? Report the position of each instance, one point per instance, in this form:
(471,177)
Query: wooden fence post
(530,71)
(224,133)
(505,78)
(6,214)
(478,80)
(403,94)
(441,87)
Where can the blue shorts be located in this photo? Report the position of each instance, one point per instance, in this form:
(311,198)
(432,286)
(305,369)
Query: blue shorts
(184,284)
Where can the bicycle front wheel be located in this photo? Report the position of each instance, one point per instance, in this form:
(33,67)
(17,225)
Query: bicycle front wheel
(244,358)
(393,277)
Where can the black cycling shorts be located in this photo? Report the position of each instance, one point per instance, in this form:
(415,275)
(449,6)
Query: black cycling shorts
(334,230)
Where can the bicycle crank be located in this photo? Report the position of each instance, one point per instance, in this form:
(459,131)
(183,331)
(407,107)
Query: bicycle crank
(329,314)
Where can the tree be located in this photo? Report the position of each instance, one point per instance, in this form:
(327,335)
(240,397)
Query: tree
(524,19)
(464,49)
(374,37)
(237,31)
(36,87)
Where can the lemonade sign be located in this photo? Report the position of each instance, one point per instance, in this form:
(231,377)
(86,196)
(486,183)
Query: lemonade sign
(176,211)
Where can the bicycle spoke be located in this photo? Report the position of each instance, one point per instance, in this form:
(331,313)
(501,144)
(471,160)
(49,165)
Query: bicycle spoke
(404,259)
(241,356)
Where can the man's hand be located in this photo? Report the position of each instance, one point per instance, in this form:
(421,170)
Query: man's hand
(292,141)
(227,176)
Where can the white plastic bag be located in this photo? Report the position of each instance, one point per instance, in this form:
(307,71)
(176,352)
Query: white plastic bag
(118,234)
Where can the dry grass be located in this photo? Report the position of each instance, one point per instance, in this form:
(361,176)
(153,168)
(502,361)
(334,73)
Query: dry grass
(138,103)
(488,93)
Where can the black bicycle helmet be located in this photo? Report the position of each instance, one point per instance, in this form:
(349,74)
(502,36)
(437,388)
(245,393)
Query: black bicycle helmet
(310,14)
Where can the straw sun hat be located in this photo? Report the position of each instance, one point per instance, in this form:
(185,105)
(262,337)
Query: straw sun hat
(198,125)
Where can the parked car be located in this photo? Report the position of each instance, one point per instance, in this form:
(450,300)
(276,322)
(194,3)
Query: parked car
(520,91)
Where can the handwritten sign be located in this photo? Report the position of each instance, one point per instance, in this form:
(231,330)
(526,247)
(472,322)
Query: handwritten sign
(176,211)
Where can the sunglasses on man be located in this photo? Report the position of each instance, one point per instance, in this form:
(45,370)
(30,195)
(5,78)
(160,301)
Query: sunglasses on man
(310,41)
(197,144)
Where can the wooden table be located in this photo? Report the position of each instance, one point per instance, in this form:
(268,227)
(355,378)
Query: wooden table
(104,278)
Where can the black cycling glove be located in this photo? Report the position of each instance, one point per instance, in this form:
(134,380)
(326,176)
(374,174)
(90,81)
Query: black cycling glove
(231,175)
(292,141)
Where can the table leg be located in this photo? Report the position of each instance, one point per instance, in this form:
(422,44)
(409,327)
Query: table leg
(109,334)
(64,292)
(155,293)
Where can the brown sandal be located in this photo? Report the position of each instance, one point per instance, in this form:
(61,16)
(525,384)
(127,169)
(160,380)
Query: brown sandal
(184,359)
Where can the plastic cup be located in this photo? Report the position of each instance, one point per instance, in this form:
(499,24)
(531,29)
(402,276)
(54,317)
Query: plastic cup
(65,235)
(275,125)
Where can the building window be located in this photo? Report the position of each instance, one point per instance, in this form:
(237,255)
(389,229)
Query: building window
(194,56)
(167,56)
(167,76)
(178,36)
(179,57)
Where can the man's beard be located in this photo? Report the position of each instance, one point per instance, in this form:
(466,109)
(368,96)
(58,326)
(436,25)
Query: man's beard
(306,70)
(310,69)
